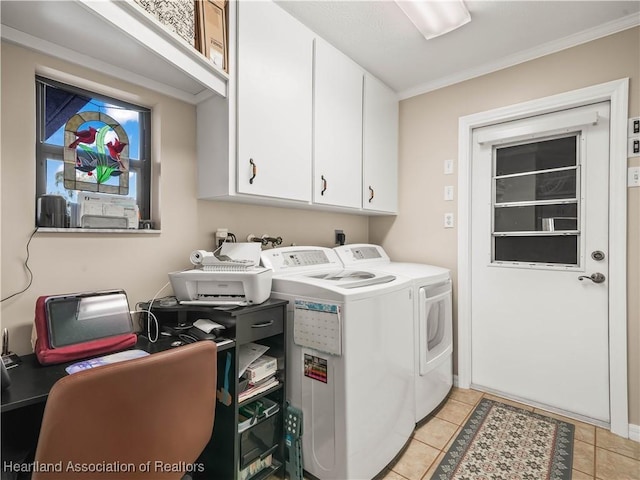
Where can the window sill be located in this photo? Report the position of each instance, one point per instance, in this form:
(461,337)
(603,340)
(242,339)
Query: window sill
(99,230)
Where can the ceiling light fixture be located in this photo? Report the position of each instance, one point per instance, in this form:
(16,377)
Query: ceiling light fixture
(435,17)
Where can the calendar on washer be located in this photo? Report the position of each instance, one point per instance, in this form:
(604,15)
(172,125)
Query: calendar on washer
(318,326)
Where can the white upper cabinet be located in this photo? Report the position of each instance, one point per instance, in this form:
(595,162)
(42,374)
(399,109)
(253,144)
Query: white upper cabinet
(274,103)
(337,159)
(380,166)
(301,126)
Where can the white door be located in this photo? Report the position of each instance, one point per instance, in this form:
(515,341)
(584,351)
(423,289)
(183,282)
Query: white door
(539,268)
(337,142)
(275,54)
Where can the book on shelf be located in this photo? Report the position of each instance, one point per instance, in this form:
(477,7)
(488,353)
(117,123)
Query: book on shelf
(261,368)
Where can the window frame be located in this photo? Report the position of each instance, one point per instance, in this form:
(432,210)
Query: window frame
(141,166)
(579,138)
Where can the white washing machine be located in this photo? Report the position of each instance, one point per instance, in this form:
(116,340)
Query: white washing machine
(349,360)
(432,320)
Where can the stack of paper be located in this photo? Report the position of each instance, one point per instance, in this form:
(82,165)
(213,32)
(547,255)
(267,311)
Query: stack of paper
(259,369)
(259,388)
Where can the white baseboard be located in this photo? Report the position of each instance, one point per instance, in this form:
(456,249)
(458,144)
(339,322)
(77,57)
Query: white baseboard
(455,380)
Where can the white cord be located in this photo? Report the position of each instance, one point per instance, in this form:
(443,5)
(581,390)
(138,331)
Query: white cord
(151,315)
(157,328)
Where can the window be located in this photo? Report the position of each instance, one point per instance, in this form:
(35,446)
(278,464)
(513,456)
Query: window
(87,142)
(536,202)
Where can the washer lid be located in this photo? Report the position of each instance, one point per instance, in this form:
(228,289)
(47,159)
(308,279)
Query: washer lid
(352,278)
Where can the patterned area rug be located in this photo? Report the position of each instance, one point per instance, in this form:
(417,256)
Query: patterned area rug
(501,442)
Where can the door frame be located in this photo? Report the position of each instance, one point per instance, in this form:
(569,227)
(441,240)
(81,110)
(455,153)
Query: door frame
(617,93)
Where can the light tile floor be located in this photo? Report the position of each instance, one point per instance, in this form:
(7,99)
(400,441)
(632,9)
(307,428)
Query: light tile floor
(597,453)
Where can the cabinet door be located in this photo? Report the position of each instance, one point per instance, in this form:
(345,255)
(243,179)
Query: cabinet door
(274,102)
(337,161)
(380,178)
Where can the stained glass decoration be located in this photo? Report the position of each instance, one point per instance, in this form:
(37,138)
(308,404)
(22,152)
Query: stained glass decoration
(96,154)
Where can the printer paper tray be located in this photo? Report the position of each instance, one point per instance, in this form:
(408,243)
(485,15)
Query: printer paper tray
(214,302)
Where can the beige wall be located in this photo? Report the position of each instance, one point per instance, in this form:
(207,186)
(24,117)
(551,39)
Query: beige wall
(429,135)
(139,263)
(63,263)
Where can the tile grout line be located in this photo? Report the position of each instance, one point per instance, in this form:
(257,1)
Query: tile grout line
(618,452)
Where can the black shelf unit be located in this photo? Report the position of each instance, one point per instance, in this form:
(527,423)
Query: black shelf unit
(264,324)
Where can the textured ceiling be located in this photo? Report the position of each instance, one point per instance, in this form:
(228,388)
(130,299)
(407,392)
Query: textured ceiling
(378,36)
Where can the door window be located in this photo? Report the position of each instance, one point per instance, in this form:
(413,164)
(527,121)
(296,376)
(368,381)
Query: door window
(536,202)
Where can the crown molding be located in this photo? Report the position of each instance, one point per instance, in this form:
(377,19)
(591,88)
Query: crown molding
(606,29)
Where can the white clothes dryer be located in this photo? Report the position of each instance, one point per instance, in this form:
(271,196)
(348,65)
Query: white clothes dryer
(349,360)
(432,321)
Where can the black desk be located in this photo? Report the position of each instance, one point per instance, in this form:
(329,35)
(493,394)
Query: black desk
(31,382)
(24,401)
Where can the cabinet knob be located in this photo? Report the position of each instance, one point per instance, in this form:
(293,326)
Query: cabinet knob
(254,170)
(324,184)
(372,193)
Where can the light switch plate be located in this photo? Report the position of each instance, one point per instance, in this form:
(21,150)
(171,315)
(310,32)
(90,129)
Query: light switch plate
(634,127)
(633,148)
(633,178)
(448,192)
(448,167)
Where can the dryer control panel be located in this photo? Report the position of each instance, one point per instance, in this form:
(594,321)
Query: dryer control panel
(362,253)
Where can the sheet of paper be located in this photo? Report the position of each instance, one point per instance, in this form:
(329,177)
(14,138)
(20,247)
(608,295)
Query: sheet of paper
(248,353)
(242,251)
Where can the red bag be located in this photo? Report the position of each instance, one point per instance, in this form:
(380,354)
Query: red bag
(48,356)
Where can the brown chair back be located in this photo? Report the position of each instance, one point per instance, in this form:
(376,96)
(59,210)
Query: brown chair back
(148,418)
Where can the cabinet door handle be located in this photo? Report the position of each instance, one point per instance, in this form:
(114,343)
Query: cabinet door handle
(324,184)
(262,325)
(372,193)
(254,170)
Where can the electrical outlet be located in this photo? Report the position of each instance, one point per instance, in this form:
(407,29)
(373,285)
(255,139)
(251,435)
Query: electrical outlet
(634,127)
(448,167)
(633,177)
(221,236)
(633,149)
(448,220)
(340,237)
(448,192)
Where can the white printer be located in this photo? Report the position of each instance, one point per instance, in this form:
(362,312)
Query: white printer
(99,210)
(232,278)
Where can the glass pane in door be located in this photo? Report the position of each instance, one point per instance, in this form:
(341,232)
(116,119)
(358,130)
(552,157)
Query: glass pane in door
(536,202)
(435,325)
(536,186)
(561,249)
(537,218)
(529,157)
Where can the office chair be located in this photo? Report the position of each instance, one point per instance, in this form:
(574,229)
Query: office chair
(148,418)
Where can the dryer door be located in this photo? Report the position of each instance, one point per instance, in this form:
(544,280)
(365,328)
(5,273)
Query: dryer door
(434,324)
